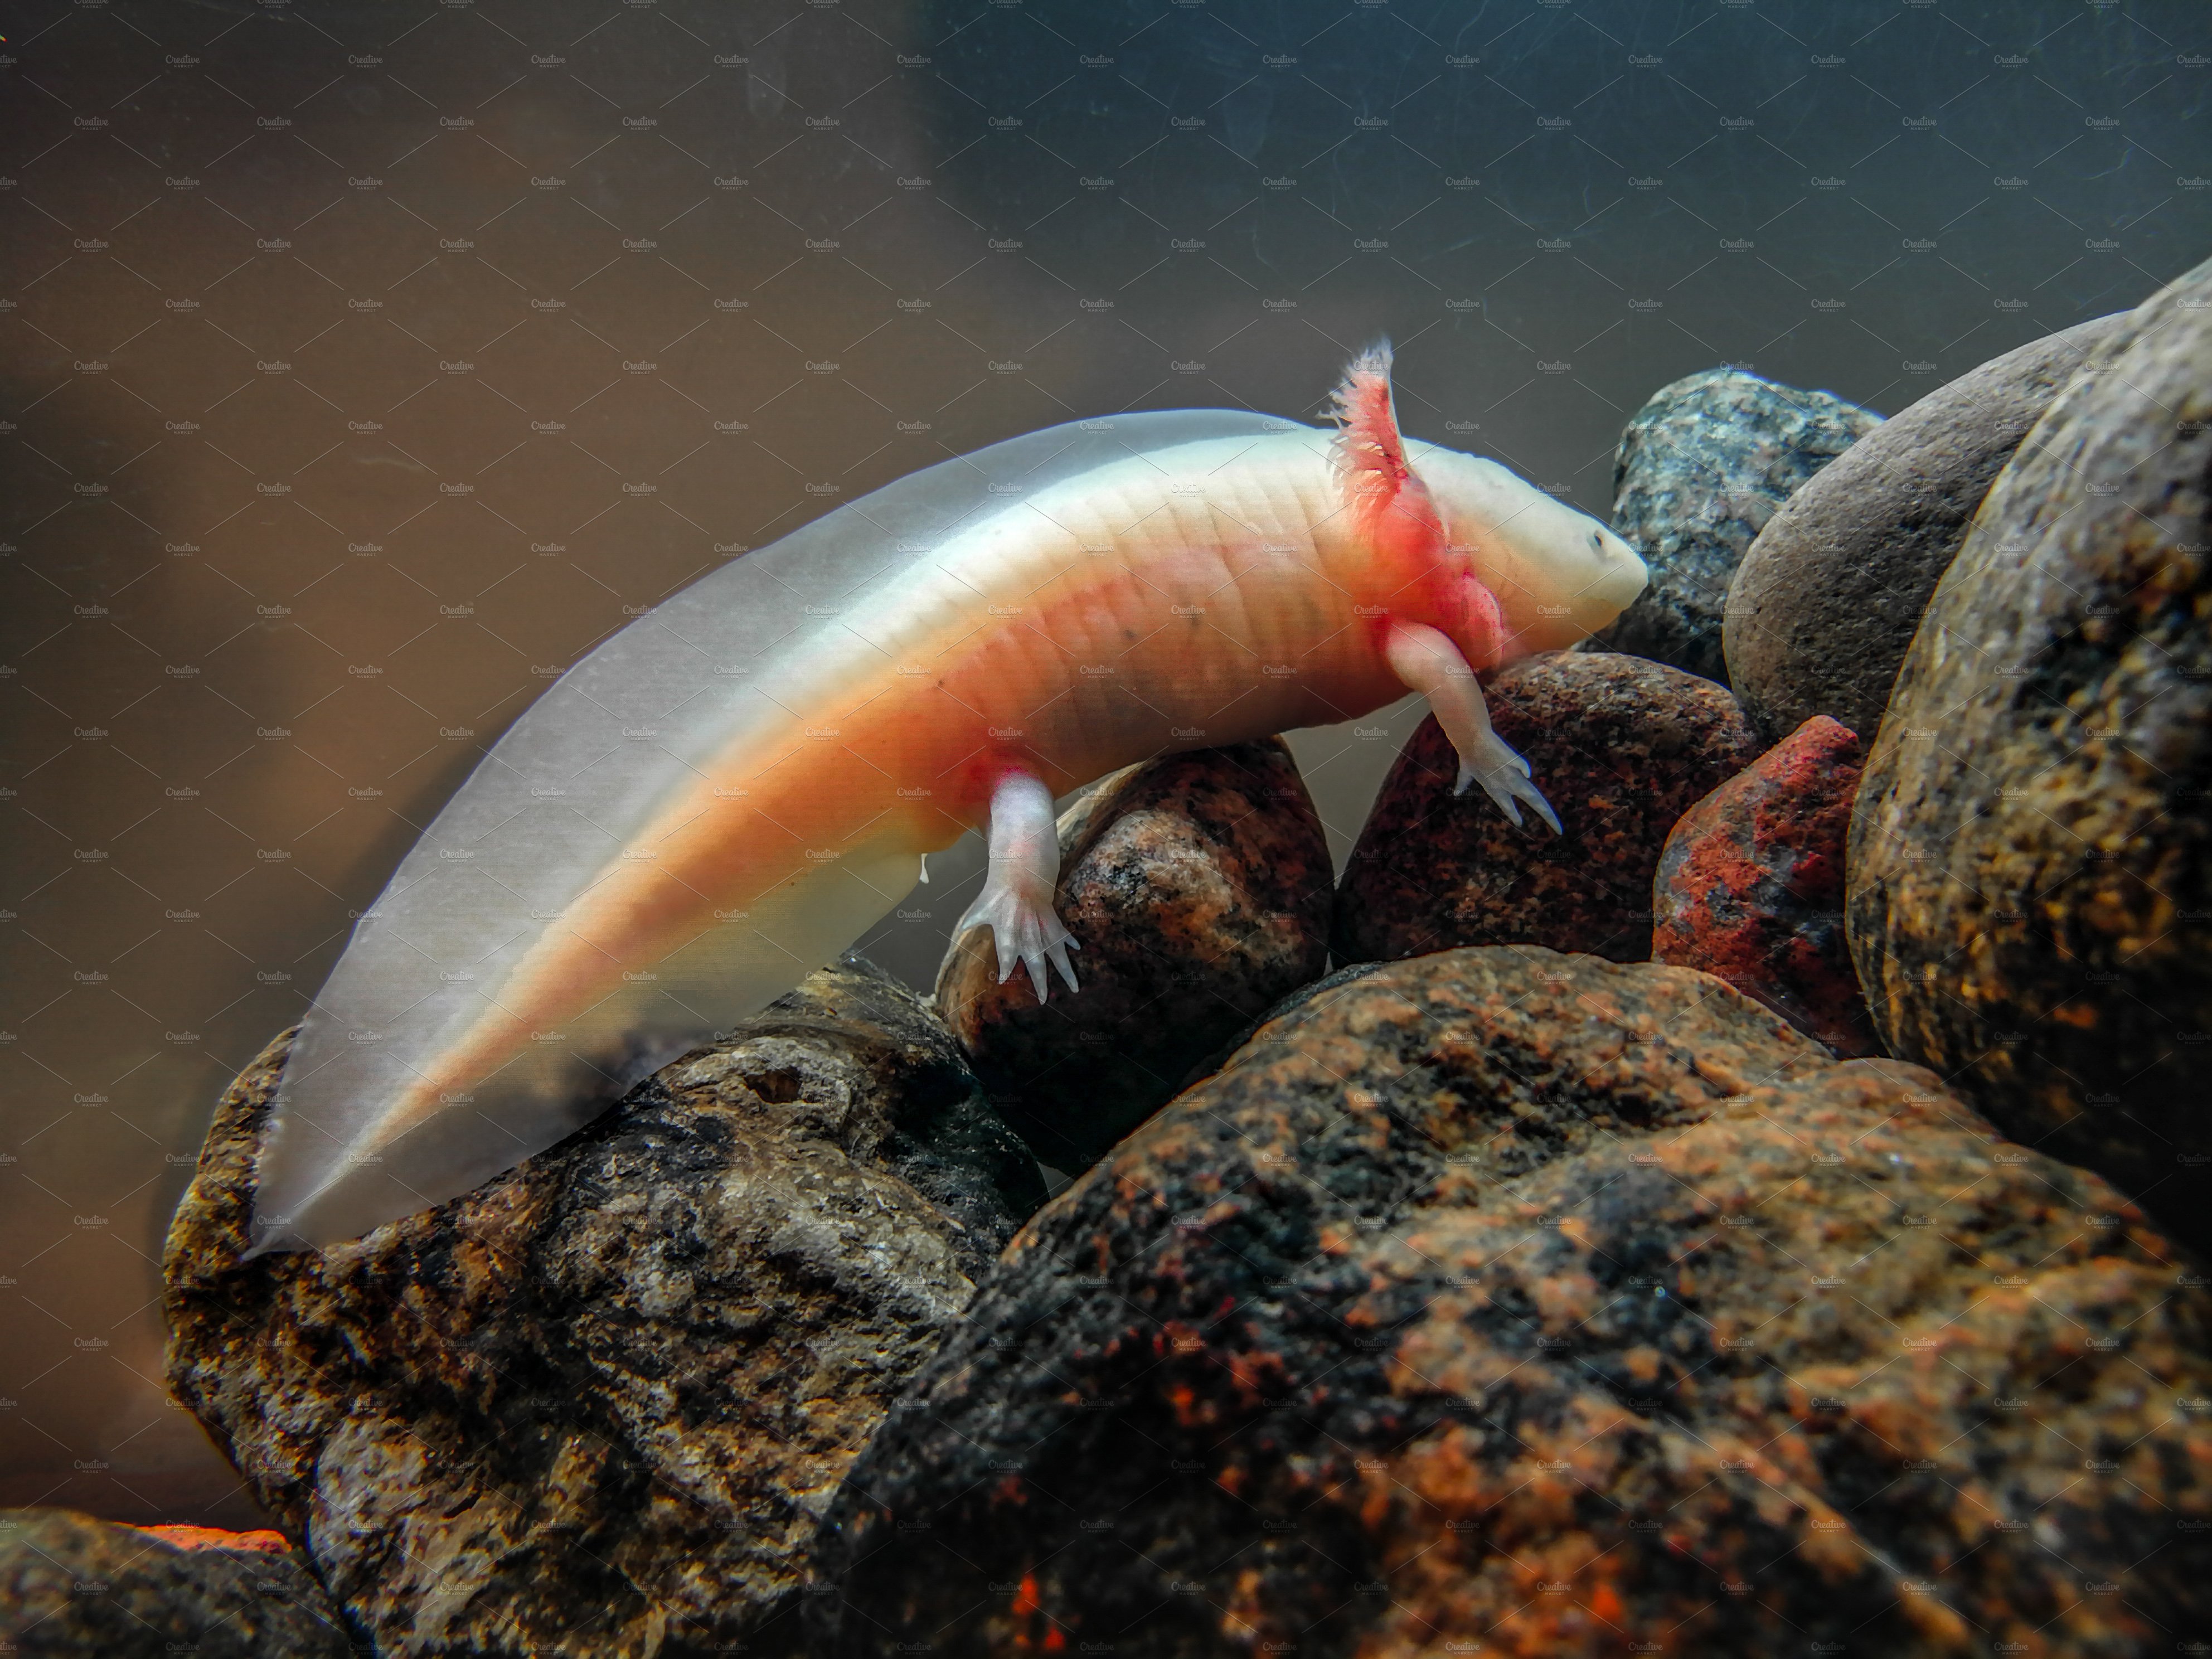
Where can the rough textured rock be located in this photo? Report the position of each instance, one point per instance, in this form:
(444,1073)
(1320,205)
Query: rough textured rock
(1700,471)
(1198,887)
(2030,857)
(1826,602)
(71,1587)
(1511,1302)
(595,1406)
(1619,745)
(1751,886)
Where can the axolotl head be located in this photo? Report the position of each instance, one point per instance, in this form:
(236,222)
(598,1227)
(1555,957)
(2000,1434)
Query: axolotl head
(1558,576)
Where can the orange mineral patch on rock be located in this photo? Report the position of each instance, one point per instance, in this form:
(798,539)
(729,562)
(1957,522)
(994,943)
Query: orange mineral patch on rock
(214,1538)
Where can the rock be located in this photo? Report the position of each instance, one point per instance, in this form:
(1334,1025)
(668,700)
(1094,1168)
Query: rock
(1826,602)
(1700,471)
(1198,888)
(2030,858)
(72,1586)
(596,1406)
(1751,886)
(1619,745)
(1513,1303)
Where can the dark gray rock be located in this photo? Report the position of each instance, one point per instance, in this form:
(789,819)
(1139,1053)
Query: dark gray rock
(1701,469)
(75,1588)
(596,1406)
(1826,602)
(1507,1302)
(1198,887)
(2029,877)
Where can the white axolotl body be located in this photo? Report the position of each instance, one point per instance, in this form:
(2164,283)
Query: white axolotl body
(733,788)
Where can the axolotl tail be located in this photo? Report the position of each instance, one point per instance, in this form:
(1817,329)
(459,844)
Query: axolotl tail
(504,1082)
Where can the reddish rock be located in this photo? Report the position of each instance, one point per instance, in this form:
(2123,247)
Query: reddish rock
(1619,745)
(1511,1302)
(1751,886)
(1198,889)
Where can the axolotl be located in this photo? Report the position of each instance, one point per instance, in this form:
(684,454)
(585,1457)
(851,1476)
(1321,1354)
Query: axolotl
(735,787)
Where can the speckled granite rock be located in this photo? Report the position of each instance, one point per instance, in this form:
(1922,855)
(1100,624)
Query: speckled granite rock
(1701,469)
(1511,1302)
(1619,745)
(1750,886)
(2030,858)
(75,1588)
(595,1406)
(1198,887)
(1826,602)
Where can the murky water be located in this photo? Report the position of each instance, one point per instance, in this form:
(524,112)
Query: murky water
(365,364)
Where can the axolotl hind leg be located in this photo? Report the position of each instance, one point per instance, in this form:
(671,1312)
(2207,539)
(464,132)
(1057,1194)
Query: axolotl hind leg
(1425,660)
(1016,902)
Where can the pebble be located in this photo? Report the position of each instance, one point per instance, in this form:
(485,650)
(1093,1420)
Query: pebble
(1700,471)
(1621,746)
(1750,885)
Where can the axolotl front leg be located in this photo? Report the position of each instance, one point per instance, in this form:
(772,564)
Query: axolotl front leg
(1397,515)
(1016,902)
(1425,660)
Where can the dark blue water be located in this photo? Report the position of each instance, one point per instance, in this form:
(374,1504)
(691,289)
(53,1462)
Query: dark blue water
(365,364)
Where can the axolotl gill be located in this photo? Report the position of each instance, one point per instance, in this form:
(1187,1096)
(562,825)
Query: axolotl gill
(734,788)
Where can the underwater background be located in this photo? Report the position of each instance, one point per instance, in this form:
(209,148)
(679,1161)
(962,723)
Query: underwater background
(367,364)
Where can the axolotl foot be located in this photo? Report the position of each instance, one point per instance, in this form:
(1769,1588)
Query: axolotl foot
(1016,904)
(1503,776)
(1427,661)
(1024,930)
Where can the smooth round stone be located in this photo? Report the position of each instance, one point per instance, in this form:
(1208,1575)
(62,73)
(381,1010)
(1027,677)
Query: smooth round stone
(1198,889)
(1621,747)
(2030,856)
(1700,471)
(1826,601)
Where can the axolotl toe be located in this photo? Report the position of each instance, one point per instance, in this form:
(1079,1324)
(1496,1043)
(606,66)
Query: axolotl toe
(734,788)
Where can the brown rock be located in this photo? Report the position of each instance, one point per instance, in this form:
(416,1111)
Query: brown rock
(2030,857)
(1620,747)
(72,1587)
(1826,602)
(1507,1302)
(595,1406)
(1198,887)
(1751,886)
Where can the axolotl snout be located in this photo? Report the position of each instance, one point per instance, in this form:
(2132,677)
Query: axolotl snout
(734,788)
